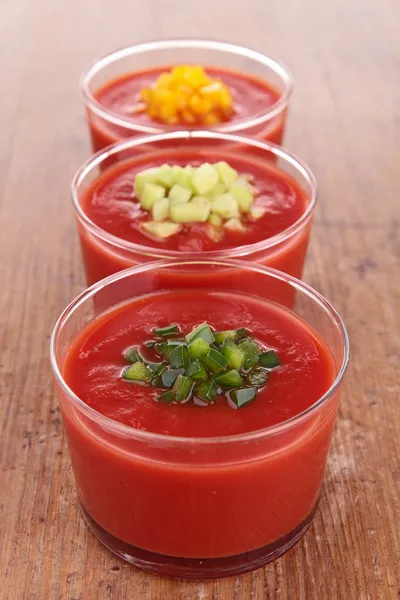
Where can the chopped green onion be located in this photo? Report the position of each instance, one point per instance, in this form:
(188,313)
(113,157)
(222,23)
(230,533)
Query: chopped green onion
(169,376)
(269,359)
(206,391)
(198,347)
(179,357)
(229,379)
(251,353)
(167,397)
(196,371)
(168,330)
(182,388)
(233,354)
(214,361)
(132,355)
(242,397)
(258,377)
(137,372)
(202,331)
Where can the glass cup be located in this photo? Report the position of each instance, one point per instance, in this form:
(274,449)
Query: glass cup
(104,254)
(144,494)
(107,126)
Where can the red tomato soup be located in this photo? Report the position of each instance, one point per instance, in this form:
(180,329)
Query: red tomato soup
(251,97)
(197,501)
(110,205)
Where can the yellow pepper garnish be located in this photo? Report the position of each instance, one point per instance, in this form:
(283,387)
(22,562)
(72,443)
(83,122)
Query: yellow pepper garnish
(188,95)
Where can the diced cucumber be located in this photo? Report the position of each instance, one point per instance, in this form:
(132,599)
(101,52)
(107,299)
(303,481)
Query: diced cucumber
(214,361)
(243,195)
(185,177)
(196,371)
(179,357)
(165,176)
(229,379)
(176,174)
(234,225)
(269,359)
(217,190)
(202,331)
(225,206)
(206,391)
(137,372)
(233,354)
(147,176)
(256,212)
(198,347)
(179,194)
(167,397)
(201,200)
(161,230)
(169,376)
(215,220)
(228,334)
(227,175)
(242,397)
(151,193)
(205,178)
(258,377)
(167,330)
(132,355)
(182,388)
(160,209)
(189,213)
(251,352)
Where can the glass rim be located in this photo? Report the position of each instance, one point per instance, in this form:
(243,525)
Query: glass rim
(153,251)
(181,43)
(148,436)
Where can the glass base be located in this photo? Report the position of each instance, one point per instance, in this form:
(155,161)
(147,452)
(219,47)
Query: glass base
(197,568)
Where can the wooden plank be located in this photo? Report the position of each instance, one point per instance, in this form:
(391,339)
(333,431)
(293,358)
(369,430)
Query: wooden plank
(345,123)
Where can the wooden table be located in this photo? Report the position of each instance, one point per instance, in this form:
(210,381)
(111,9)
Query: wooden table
(345,122)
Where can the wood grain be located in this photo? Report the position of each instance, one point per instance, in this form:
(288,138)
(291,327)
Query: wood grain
(345,122)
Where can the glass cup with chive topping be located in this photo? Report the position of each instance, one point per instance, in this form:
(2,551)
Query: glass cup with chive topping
(146,89)
(199,419)
(194,195)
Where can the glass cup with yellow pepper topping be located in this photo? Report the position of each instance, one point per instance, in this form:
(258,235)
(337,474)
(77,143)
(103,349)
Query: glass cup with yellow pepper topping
(158,87)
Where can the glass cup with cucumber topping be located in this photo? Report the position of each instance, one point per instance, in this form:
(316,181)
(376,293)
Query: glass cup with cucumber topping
(199,418)
(193,195)
(146,89)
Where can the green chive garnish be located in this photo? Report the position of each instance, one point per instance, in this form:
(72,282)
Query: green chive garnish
(137,372)
(167,331)
(240,398)
(202,331)
(269,359)
(202,364)
(229,379)
(214,361)
(182,388)
(196,371)
(132,355)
